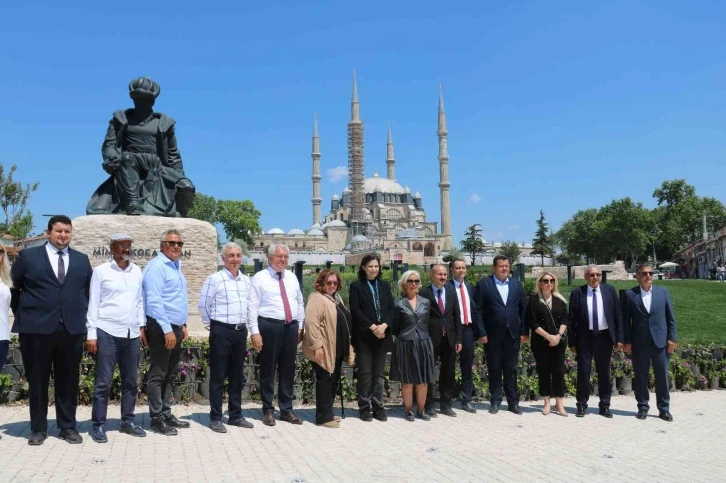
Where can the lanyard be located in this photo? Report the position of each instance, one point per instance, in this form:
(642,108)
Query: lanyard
(376,300)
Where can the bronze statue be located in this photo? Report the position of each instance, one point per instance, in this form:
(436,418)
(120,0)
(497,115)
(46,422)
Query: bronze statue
(141,155)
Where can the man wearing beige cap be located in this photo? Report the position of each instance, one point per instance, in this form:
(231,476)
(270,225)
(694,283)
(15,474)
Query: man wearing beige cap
(115,313)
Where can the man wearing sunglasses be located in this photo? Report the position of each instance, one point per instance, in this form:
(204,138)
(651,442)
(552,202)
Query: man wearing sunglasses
(650,333)
(165,301)
(596,328)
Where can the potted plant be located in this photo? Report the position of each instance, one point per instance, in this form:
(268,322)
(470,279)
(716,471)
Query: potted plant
(701,383)
(713,379)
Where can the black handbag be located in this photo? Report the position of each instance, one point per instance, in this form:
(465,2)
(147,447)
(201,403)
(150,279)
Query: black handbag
(563,338)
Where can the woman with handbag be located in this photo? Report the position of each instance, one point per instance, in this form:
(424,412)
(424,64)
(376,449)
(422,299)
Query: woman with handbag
(548,319)
(326,343)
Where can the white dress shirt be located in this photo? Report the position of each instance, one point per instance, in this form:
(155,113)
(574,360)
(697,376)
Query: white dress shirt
(53,257)
(436,294)
(503,288)
(265,299)
(647,297)
(5,312)
(225,298)
(116,303)
(601,321)
(463,302)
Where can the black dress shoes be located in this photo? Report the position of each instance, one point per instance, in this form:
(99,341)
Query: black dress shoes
(447,411)
(365,415)
(514,410)
(606,412)
(240,423)
(159,426)
(409,417)
(37,438)
(642,414)
(581,412)
(290,418)
(494,409)
(98,434)
(666,416)
(176,423)
(268,419)
(431,412)
(70,435)
(380,415)
(421,415)
(132,430)
(468,408)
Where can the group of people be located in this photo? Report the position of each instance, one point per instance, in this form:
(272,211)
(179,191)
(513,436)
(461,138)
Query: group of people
(60,302)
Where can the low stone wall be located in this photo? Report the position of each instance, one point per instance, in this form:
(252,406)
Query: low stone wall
(616,271)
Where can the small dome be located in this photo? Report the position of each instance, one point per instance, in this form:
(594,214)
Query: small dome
(359,238)
(336,197)
(408,190)
(346,190)
(315,232)
(316,225)
(366,210)
(275,231)
(417,195)
(335,223)
(296,231)
(497,245)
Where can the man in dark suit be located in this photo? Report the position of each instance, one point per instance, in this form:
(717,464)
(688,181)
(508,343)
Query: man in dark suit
(472,329)
(595,328)
(503,304)
(650,333)
(51,301)
(445,331)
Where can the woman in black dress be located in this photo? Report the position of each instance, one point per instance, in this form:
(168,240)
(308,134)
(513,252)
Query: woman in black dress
(412,360)
(547,317)
(371,300)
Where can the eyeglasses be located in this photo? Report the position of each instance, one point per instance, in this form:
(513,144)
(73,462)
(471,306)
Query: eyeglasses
(174,243)
(646,274)
(413,282)
(123,245)
(592,275)
(547,281)
(333,283)
(2,252)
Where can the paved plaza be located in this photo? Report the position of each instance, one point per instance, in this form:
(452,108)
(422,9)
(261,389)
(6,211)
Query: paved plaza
(478,447)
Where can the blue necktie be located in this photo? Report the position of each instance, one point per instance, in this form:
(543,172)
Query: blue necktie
(595,321)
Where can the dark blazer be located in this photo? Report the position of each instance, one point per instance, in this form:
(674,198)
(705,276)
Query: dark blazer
(640,326)
(451,318)
(407,323)
(41,301)
(538,315)
(474,312)
(495,313)
(580,317)
(363,310)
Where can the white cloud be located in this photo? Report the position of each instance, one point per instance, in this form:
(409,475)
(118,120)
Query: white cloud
(514,227)
(475,198)
(337,173)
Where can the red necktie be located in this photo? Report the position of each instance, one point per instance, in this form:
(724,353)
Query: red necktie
(285,302)
(463,304)
(440,301)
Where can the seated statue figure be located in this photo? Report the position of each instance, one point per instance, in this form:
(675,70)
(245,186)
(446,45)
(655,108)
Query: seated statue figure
(141,155)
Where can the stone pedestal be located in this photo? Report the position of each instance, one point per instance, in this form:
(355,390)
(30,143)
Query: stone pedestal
(199,255)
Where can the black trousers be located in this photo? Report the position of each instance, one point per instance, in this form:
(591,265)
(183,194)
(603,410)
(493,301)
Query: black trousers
(502,354)
(466,360)
(279,348)
(600,346)
(62,351)
(550,370)
(643,355)
(326,385)
(370,373)
(227,351)
(125,351)
(447,374)
(162,367)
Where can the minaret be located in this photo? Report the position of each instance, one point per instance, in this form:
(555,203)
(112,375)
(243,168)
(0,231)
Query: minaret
(444,184)
(390,158)
(316,199)
(356,160)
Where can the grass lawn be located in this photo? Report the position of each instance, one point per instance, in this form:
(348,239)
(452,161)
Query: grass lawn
(700,307)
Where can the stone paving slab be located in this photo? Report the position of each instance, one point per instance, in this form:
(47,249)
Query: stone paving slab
(478,447)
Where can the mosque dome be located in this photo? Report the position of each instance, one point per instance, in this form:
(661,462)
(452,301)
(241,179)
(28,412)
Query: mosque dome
(316,225)
(334,223)
(296,231)
(383,185)
(417,195)
(275,231)
(336,197)
(360,239)
(315,232)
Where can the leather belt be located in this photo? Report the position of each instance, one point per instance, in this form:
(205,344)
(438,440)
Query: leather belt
(229,326)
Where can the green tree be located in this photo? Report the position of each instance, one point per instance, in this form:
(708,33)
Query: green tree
(453,254)
(579,235)
(240,219)
(626,230)
(511,250)
(542,243)
(473,242)
(14,200)
(204,207)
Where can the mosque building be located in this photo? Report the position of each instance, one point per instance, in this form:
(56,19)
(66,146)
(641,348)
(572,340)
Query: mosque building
(372,214)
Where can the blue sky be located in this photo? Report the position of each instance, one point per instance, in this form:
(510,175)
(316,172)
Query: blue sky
(552,105)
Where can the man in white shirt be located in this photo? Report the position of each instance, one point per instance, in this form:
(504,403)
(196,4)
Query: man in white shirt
(115,314)
(276,319)
(223,306)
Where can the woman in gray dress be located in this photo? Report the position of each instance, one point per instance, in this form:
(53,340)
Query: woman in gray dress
(412,361)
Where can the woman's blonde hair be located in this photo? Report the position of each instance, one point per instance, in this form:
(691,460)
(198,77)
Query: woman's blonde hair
(5,269)
(555,292)
(404,278)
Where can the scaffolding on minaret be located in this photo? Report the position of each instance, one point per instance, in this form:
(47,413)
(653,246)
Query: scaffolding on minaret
(356,165)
